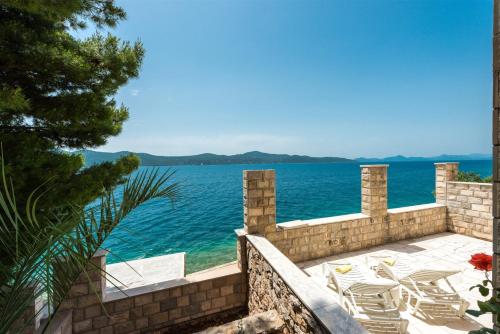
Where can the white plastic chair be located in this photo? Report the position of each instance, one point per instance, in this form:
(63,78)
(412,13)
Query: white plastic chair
(422,284)
(367,298)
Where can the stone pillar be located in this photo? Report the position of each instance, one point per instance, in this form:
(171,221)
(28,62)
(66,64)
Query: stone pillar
(259,201)
(496,148)
(86,294)
(29,322)
(374,190)
(445,172)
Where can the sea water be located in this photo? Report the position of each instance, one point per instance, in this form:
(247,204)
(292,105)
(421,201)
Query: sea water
(202,221)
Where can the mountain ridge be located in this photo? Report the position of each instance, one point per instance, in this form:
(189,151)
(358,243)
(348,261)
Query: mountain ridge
(257,157)
(252,157)
(442,157)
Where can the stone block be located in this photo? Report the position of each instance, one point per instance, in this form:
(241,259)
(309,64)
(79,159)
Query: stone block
(119,317)
(141,323)
(93,311)
(219,302)
(88,300)
(189,289)
(183,301)
(123,304)
(198,297)
(213,293)
(159,318)
(125,327)
(161,295)
(151,308)
(82,326)
(226,290)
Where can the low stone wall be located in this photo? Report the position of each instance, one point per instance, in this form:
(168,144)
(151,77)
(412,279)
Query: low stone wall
(304,240)
(470,209)
(415,221)
(190,302)
(275,283)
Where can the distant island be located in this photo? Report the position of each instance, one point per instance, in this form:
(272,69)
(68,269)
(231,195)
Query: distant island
(256,157)
(442,157)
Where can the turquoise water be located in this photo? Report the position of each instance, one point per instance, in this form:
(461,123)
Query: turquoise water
(202,223)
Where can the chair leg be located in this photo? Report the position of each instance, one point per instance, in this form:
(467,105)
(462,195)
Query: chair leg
(403,327)
(417,307)
(464,305)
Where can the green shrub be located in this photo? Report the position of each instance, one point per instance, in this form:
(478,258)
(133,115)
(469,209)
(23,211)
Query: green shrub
(472,177)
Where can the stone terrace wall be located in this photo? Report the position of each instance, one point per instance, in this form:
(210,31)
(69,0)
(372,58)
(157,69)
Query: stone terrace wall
(162,308)
(275,283)
(317,238)
(470,209)
(416,221)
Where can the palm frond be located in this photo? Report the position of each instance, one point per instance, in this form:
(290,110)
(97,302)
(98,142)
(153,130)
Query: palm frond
(33,250)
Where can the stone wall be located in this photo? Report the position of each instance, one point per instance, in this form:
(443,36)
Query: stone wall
(316,238)
(469,205)
(470,209)
(304,240)
(185,303)
(275,283)
(416,221)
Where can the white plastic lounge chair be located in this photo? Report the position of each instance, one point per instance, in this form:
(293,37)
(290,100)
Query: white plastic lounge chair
(423,284)
(366,297)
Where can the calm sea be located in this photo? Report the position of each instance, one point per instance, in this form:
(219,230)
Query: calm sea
(202,223)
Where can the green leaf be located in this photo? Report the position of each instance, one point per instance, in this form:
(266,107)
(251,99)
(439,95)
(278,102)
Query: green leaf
(475,313)
(485,306)
(483,330)
(484,291)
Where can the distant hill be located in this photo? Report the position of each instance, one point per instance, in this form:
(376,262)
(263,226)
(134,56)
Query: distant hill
(442,157)
(255,157)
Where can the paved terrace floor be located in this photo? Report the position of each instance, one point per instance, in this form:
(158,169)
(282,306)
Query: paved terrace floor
(443,250)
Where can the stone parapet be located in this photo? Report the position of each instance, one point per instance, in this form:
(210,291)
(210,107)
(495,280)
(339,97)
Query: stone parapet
(199,298)
(303,240)
(470,209)
(469,204)
(275,283)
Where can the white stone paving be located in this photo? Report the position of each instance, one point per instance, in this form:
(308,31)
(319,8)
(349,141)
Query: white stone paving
(444,249)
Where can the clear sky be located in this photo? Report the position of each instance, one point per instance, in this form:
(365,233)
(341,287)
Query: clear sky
(323,78)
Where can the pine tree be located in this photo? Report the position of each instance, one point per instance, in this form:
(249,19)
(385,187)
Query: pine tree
(56,94)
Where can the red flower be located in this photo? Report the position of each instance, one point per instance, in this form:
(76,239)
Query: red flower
(481,261)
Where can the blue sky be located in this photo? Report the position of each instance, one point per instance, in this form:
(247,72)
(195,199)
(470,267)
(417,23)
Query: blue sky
(323,78)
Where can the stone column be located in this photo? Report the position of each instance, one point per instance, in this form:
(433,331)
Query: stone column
(496,147)
(374,190)
(445,172)
(29,322)
(259,201)
(86,294)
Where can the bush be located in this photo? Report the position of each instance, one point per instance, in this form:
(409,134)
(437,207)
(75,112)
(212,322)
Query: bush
(472,177)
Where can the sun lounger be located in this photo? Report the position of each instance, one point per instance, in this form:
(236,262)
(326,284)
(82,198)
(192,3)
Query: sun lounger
(423,284)
(366,297)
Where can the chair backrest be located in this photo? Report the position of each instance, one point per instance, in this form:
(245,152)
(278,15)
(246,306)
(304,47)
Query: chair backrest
(429,275)
(358,281)
(403,269)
